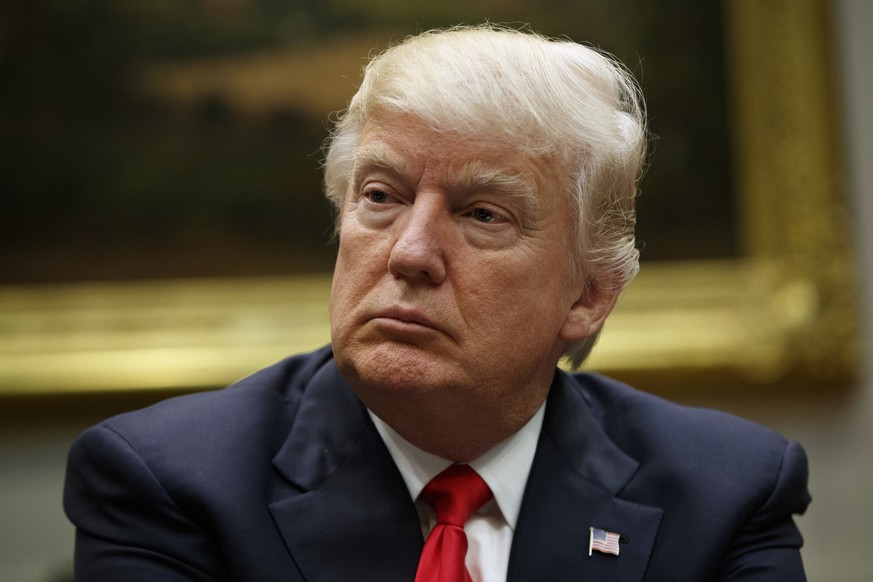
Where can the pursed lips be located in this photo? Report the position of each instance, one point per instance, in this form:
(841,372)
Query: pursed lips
(408,316)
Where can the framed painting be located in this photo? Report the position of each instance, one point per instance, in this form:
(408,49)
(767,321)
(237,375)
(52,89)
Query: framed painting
(188,286)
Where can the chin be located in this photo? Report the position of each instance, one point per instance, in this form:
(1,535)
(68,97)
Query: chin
(397,367)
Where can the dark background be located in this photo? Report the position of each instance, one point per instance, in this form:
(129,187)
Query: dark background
(103,178)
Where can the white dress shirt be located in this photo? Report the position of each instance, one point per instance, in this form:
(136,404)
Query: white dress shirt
(504,468)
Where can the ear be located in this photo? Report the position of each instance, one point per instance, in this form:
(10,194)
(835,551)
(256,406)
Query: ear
(588,312)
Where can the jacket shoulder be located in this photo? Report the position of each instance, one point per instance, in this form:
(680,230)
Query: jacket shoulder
(696,456)
(243,421)
(638,420)
(283,381)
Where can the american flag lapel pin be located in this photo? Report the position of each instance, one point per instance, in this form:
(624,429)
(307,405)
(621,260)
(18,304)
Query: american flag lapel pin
(603,541)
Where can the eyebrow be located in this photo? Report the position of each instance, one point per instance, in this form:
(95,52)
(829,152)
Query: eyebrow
(371,157)
(476,175)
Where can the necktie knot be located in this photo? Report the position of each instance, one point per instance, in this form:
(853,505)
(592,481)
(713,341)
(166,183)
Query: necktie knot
(455,494)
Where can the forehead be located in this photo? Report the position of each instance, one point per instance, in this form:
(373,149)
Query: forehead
(414,151)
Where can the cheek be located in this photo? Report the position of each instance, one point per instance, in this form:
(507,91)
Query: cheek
(527,298)
(507,297)
(359,264)
(346,276)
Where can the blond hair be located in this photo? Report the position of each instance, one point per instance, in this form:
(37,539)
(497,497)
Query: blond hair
(566,102)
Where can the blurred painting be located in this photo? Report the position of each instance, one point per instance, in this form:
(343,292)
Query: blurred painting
(182,138)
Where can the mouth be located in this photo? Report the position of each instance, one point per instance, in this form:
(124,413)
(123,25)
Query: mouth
(408,319)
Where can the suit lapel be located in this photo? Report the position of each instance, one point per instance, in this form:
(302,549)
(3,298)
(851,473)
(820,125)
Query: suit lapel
(342,506)
(573,485)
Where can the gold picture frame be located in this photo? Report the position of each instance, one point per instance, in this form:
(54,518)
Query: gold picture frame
(783,314)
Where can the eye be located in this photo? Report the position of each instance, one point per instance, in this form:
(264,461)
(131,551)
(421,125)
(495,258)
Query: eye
(378,204)
(487,215)
(377,196)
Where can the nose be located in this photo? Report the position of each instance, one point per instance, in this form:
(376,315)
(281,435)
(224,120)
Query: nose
(418,251)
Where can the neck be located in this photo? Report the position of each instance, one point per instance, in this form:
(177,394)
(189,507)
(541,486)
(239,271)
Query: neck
(459,430)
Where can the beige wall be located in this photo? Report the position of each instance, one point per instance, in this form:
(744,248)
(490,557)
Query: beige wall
(837,431)
(839,437)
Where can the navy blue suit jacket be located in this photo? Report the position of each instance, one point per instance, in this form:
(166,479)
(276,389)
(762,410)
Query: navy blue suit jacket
(284,477)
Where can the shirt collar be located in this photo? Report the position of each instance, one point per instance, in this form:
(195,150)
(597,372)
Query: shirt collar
(504,468)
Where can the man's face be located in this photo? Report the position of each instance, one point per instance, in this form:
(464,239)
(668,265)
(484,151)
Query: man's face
(452,272)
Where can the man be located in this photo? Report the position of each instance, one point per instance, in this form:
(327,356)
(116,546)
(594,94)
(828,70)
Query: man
(484,181)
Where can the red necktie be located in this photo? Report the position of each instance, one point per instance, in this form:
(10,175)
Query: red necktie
(454,494)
